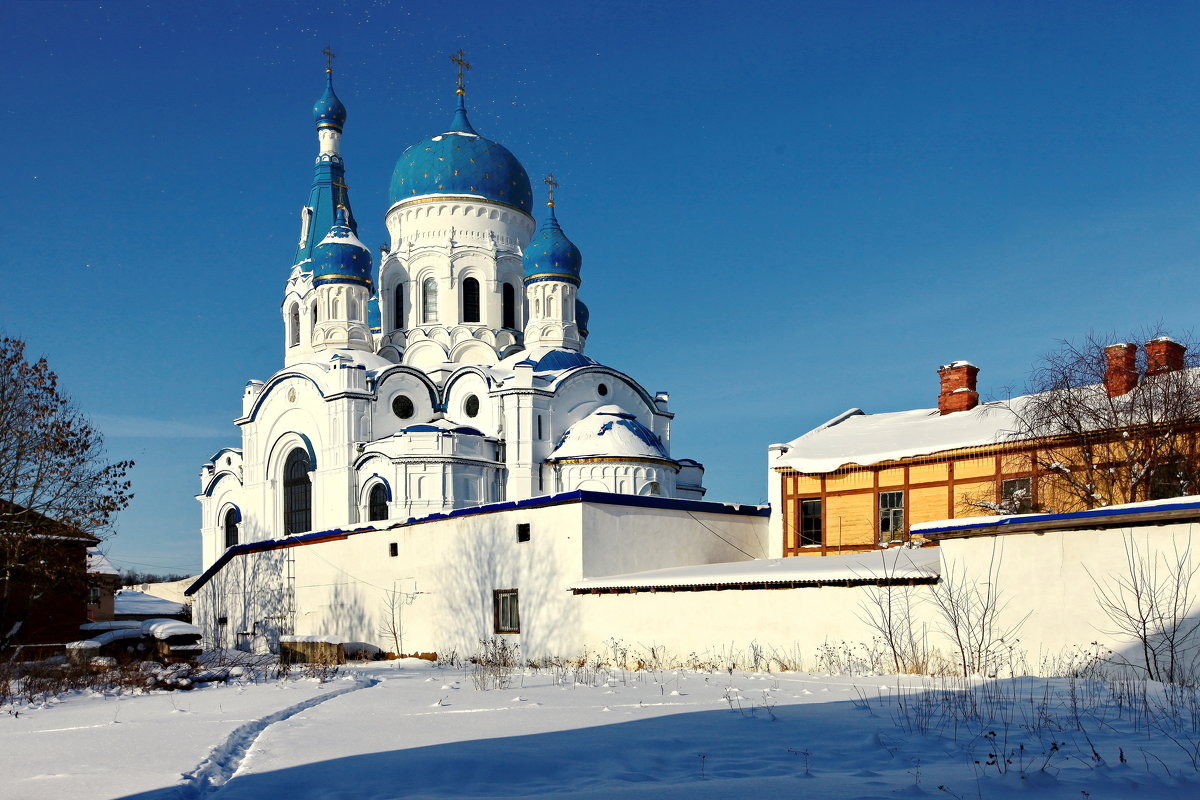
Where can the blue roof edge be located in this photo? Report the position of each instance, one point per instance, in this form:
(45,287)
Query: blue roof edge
(577,496)
(1129,510)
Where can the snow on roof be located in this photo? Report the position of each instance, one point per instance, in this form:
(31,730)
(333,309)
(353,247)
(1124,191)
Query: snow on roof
(1185,504)
(166,628)
(902,563)
(98,563)
(128,601)
(857,438)
(609,431)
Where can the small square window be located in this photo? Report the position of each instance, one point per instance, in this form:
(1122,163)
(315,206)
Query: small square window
(1016,495)
(393,549)
(222,621)
(507,618)
(523,532)
(810,522)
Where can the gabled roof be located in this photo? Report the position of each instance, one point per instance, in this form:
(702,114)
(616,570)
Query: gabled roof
(854,437)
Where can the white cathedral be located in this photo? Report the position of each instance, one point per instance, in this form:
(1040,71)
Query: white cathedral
(453,376)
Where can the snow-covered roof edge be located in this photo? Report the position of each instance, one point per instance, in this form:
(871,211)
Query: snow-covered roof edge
(897,564)
(1147,512)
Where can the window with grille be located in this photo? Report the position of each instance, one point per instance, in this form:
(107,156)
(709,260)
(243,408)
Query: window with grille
(522,531)
(507,618)
(429,308)
(810,522)
(297,493)
(1166,480)
(470,289)
(1016,495)
(398,311)
(377,506)
(231,528)
(891,517)
(394,549)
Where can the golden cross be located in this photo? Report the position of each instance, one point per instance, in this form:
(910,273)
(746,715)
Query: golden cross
(329,57)
(462,64)
(553,184)
(339,184)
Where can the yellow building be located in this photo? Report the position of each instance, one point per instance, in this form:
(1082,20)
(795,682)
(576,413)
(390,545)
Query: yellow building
(859,481)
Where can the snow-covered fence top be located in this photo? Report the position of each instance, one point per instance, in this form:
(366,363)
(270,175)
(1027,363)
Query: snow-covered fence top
(882,567)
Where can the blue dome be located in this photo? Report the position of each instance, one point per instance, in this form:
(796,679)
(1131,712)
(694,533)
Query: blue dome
(374,318)
(551,255)
(461,162)
(329,111)
(341,257)
(582,316)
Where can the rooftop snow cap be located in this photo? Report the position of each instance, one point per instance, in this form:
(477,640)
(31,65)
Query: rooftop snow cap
(341,257)
(460,162)
(1163,354)
(609,432)
(329,111)
(1120,372)
(957,387)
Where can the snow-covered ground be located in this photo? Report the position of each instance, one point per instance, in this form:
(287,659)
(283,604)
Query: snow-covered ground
(412,729)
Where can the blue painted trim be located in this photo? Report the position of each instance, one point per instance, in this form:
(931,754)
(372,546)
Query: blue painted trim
(1094,513)
(235,450)
(212,485)
(405,369)
(270,387)
(312,454)
(369,485)
(563,498)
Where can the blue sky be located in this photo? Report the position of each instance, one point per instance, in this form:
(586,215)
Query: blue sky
(785,209)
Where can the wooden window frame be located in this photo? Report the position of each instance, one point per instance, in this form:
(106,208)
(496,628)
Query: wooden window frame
(500,597)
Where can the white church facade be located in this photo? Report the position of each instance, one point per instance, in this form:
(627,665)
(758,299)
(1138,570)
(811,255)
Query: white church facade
(450,380)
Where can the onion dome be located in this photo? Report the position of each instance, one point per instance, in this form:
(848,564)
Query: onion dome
(609,432)
(582,316)
(551,256)
(329,111)
(374,318)
(462,163)
(341,257)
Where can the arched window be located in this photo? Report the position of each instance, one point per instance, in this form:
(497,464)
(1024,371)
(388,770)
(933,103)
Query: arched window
(352,309)
(399,312)
(297,493)
(377,505)
(334,312)
(314,316)
(510,306)
(231,528)
(470,300)
(429,300)
(294,325)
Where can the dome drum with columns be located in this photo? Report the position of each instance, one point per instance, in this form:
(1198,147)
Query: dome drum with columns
(451,376)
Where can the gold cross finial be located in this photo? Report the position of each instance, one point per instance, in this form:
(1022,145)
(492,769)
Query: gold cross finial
(462,64)
(553,184)
(329,57)
(340,189)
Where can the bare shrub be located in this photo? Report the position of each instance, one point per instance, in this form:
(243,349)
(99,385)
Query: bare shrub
(493,666)
(972,617)
(1154,603)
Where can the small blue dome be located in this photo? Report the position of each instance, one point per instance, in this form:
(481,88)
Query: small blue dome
(582,316)
(374,318)
(329,111)
(551,255)
(341,257)
(461,162)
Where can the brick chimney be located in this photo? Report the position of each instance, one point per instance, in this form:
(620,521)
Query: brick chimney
(1163,354)
(958,387)
(1120,375)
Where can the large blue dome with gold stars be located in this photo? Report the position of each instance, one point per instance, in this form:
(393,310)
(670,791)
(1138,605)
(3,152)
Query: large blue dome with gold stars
(341,257)
(329,111)
(551,256)
(460,162)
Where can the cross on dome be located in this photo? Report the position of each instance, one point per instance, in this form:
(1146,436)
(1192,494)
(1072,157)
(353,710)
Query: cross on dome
(329,57)
(553,184)
(462,64)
